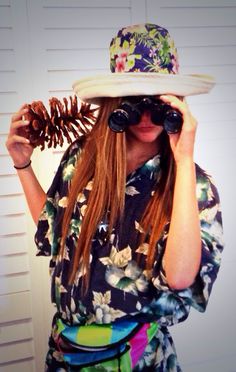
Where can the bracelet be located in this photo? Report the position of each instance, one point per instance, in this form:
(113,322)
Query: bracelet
(25,166)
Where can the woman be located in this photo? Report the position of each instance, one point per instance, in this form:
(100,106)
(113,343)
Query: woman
(133,225)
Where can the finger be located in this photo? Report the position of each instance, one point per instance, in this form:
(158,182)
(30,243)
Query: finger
(18,115)
(171,97)
(181,106)
(175,102)
(18,126)
(12,140)
(173,138)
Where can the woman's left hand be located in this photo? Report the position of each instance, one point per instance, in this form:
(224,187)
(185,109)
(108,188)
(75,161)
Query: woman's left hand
(182,143)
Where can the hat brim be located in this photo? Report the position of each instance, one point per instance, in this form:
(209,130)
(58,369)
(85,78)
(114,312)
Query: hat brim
(92,88)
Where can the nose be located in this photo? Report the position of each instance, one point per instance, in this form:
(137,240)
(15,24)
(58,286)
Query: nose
(146,116)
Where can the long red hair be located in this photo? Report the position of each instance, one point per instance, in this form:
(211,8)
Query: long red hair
(103,160)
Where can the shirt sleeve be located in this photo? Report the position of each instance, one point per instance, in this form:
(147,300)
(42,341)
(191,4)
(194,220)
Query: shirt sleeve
(48,233)
(174,305)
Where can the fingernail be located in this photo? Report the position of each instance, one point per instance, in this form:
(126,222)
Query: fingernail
(26,121)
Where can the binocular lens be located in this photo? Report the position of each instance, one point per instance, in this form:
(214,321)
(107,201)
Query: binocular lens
(118,120)
(173,121)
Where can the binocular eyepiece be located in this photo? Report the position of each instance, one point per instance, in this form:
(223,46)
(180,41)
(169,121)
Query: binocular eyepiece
(131,109)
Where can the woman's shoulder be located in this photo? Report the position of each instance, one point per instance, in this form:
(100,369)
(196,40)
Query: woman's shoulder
(74,149)
(68,161)
(203,176)
(206,186)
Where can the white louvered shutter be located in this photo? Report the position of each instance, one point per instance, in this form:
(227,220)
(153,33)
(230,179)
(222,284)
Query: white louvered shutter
(44,47)
(16,327)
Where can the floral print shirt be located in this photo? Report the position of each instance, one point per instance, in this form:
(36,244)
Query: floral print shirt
(119,286)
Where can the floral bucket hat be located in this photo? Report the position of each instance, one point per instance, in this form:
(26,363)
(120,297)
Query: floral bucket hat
(143,61)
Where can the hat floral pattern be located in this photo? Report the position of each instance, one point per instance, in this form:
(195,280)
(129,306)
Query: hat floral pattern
(143,48)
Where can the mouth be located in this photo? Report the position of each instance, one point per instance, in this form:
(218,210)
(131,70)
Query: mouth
(145,129)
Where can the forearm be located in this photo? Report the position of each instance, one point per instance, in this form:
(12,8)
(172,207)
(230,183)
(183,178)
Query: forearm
(35,195)
(183,250)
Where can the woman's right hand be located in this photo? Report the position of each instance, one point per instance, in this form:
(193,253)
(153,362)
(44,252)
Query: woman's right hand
(17,144)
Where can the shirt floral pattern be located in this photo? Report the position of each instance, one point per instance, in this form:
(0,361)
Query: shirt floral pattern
(119,286)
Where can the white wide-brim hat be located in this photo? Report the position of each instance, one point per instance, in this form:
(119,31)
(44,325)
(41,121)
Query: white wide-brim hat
(136,84)
(143,61)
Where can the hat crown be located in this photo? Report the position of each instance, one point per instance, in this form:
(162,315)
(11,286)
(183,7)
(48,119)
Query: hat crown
(143,48)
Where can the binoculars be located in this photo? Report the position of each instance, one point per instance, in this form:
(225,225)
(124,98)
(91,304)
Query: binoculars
(131,109)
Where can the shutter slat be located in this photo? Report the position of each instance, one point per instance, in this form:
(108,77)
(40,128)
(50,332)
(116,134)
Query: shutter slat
(6,165)
(5,123)
(12,225)
(7,60)
(12,204)
(85,18)
(6,38)
(9,101)
(15,307)
(87,4)
(20,350)
(7,81)
(13,284)
(20,366)
(13,244)
(207,57)
(14,264)
(198,17)
(196,4)
(78,39)
(10,185)
(5,16)
(16,332)
(77,60)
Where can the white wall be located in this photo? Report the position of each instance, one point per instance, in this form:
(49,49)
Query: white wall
(44,46)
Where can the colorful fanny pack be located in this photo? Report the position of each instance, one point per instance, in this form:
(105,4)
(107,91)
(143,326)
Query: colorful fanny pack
(115,347)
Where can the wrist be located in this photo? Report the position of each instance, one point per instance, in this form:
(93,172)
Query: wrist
(185,162)
(23,166)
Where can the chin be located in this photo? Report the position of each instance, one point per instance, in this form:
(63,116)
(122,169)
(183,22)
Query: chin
(146,137)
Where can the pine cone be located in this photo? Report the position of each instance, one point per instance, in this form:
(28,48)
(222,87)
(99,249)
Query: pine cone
(63,122)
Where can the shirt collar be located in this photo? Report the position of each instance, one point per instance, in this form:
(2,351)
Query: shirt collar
(150,169)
